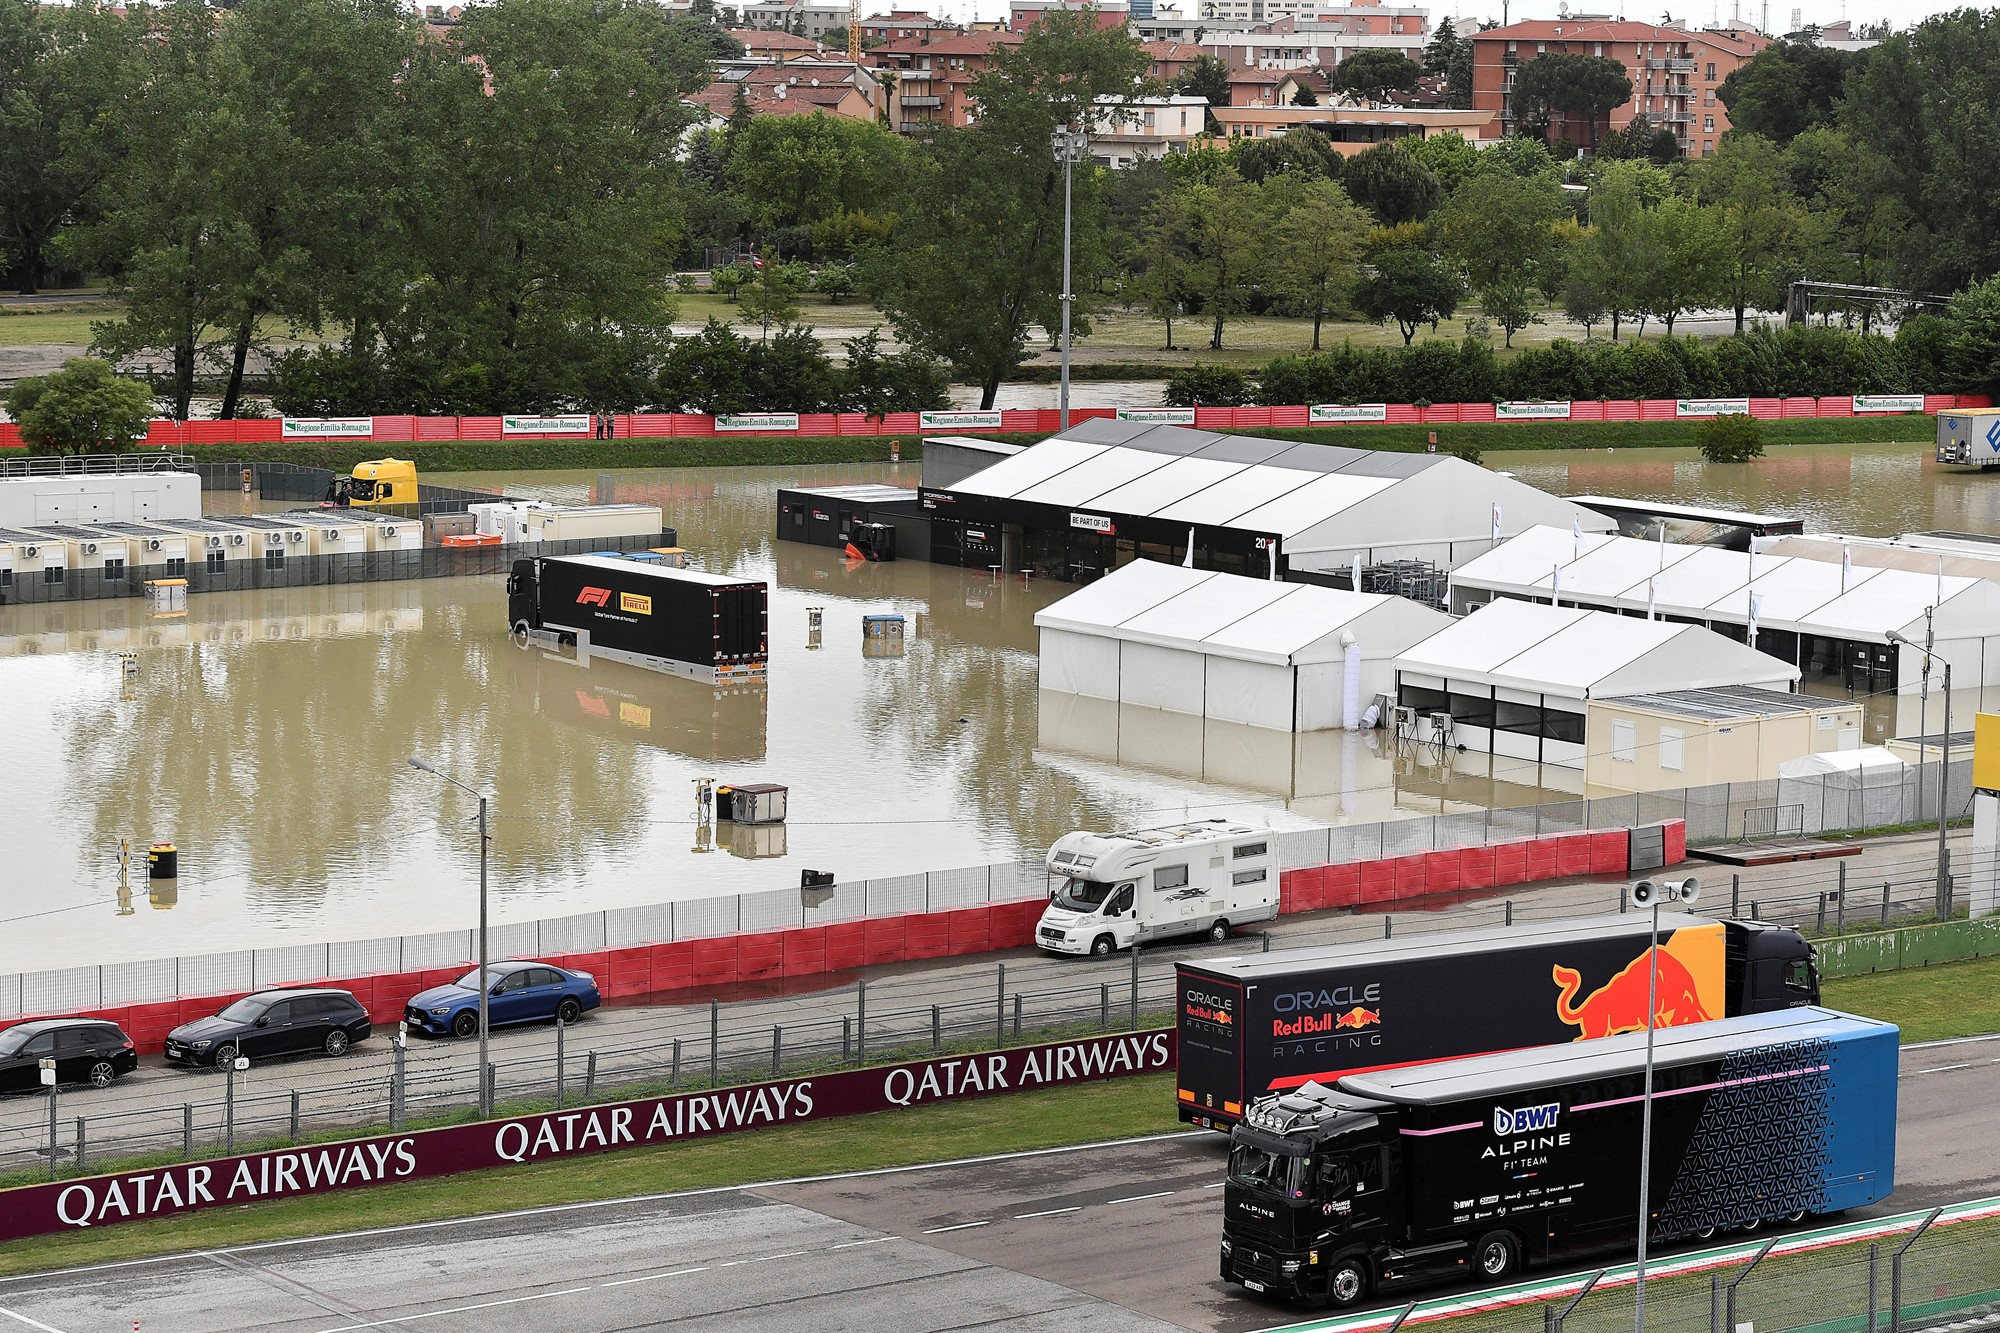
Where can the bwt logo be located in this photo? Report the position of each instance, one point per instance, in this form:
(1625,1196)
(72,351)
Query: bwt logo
(1993,436)
(594,597)
(1526,1120)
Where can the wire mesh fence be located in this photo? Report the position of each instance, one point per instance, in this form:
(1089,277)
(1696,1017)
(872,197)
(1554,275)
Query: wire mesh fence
(697,1046)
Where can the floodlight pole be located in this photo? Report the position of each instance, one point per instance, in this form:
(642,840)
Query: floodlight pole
(1646,1118)
(485,982)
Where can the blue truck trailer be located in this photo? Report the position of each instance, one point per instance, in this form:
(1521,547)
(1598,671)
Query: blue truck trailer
(1477,1168)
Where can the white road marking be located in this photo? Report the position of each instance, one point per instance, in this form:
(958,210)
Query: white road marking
(1052,1212)
(1940,1069)
(653,1277)
(31,1323)
(760,1259)
(850,1244)
(1220,1183)
(962,1226)
(1141,1198)
(457,1309)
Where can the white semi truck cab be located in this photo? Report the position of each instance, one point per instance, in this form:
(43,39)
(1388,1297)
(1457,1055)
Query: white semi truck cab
(1110,891)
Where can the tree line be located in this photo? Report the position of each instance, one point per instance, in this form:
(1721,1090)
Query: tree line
(493,216)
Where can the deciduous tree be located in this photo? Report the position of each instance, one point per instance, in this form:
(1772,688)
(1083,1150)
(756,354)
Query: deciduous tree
(82,408)
(1317,234)
(1410,287)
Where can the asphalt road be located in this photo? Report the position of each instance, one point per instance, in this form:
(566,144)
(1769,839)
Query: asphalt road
(1107,1239)
(145,1111)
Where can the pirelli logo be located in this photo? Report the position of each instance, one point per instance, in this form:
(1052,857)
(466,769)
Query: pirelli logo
(634,603)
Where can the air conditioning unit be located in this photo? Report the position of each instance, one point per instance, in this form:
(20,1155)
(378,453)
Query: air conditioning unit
(388,533)
(274,539)
(214,542)
(152,543)
(235,539)
(298,536)
(1441,728)
(1404,719)
(333,534)
(31,551)
(90,548)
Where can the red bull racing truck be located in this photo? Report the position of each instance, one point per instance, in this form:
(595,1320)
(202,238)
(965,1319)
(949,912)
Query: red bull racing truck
(1259,1023)
(1479,1167)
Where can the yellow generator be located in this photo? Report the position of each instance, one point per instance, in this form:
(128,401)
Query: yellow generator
(377,484)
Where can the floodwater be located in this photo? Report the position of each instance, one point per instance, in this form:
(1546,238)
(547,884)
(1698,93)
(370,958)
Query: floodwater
(266,733)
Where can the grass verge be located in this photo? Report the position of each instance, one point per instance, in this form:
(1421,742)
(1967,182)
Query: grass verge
(1927,1003)
(782,451)
(1012,1123)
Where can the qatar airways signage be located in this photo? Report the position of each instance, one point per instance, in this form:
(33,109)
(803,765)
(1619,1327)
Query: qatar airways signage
(36,1210)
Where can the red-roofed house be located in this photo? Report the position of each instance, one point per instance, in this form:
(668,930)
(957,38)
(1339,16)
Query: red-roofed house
(933,74)
(775,45)
(1675,74)
(796,88)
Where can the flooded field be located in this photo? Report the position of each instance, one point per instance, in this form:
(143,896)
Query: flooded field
(266,732)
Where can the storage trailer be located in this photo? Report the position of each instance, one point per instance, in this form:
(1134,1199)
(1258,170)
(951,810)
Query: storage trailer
(1477,1168)
(1969,436)
(1258,1023)
(1121,889)
(706,627)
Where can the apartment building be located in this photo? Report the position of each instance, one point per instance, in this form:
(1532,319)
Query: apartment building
(1675,75)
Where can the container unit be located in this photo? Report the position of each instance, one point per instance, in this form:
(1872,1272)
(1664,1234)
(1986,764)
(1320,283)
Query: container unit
(26,557)
(1479,1168)
(703,626)
(1971,437)
(334,532)
(213,544)
(153,547)
(92,554)
(1255,1024)
(27,502)
(275,540)
(588,522)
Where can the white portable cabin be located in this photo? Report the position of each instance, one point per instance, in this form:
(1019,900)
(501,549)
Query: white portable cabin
(1513,679)
(36,501)
(1227,647)
(336,532)
(290,540)
(95,554)
(25,557)
(151,546)
(385,532)
(211,542)
(1121,889)
(537,521)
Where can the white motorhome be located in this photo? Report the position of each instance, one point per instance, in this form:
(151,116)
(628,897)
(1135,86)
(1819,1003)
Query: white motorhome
(1109,891)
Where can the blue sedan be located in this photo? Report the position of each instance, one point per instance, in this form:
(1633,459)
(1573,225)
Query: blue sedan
(521,992)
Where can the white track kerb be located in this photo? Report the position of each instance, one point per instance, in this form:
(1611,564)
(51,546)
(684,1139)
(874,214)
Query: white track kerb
(1546,1289)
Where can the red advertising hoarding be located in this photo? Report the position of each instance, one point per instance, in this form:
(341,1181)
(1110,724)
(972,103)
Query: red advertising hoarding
(37,1210)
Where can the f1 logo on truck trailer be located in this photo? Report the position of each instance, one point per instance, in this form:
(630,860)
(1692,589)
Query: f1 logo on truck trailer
(594,597)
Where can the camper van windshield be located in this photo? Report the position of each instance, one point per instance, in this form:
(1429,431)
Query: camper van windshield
(1082,895)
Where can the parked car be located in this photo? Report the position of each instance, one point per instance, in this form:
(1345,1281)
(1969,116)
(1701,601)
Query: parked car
(86,1050)
(522,992)
(272,1022)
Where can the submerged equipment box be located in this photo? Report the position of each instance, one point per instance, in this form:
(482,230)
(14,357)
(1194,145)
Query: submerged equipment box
(703,626)
(751,803)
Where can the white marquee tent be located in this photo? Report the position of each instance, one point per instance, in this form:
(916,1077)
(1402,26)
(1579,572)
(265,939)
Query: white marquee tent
(1224,646)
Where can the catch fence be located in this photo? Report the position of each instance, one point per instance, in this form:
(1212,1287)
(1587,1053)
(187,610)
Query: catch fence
(1714,815)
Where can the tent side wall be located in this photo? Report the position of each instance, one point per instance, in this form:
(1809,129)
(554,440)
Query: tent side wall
(1171,679)
(1085,664)
(1260,694)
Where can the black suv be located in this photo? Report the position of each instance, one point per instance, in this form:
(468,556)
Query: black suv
(272,1022)
(86,1050)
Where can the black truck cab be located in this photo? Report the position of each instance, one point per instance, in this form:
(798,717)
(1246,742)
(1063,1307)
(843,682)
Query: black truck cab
(1308,1198)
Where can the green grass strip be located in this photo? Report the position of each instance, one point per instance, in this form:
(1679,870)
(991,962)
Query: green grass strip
(1927,1003)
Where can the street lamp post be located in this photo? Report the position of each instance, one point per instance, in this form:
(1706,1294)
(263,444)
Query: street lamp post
(1943,886)
(1069,142)
(485,983)
(1648,894)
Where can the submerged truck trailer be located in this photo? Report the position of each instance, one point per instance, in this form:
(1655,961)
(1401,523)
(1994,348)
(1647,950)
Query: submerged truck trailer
(1480,1167)
(703,626)
(1256,1023)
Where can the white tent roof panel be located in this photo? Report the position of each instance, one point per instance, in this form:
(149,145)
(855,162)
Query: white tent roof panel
(1893,599)
(1117,597)
(1302,627)
(1516,564)
(1158,489)
(1202,610)
(1484,640)
(1621,567)
(1238,494)
(1790,591)
(1079,487)
(1011,476)
(1297,511)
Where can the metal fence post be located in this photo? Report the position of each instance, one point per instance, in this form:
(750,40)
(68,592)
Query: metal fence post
(1896,1272)
(1510,911)
(561,1027)
(1104,1005)
(714,1043)
(1135,987)
(1736,895)
(187,1131)
(937,1030)
(1885,902)
(846,1038)
(675,1078)
(861,1021)
(590,1076)
(52,1131)
(1556,1321)
(1017,1015)
(397,1085)
(777,1047)
(1389,926)
(82,1161)
(1267,942)
(1840,903)
(492,1083)
(1819,921)
(1874,1284)
(1000,1004)
(1715,1303)
(1729,1292)
(295,1115)
(228,1111)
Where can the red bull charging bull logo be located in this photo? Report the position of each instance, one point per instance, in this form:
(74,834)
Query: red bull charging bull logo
(1688,991)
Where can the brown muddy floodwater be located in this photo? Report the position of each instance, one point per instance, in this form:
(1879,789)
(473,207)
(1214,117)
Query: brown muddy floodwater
(268,731)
